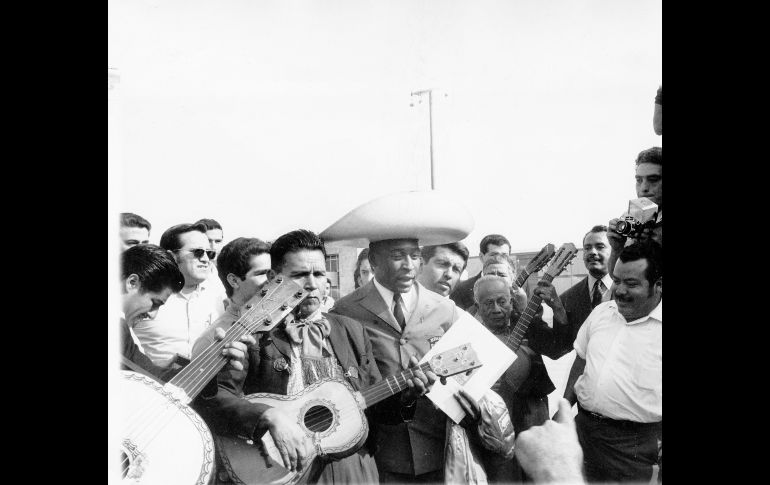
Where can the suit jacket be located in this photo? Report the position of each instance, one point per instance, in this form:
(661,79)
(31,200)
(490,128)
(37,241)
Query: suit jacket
(227,413)
(409,440)
(577,303)
(463,292)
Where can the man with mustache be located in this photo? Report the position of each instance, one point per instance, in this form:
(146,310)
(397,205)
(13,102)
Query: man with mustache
(575,304)
(167,338)
(289,358)
(616,378)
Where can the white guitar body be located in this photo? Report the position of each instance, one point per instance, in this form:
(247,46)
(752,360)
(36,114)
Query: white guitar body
(166,442)
(330,412)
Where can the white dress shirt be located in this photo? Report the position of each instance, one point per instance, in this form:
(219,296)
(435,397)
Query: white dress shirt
(623,377)
(179,322)
(408,299)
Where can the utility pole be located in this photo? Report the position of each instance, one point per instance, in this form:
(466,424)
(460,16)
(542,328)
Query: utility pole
(430,125)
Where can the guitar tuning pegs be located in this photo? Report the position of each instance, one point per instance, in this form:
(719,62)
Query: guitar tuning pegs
(284,306)
(469,372)
(298,294)
(263,292)
(278,279)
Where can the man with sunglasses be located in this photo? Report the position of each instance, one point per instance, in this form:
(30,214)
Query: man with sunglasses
(169,336)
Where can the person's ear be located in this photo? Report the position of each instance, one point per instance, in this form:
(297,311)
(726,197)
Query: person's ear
(233,280)
(271,274)
(659,286)
(131,283)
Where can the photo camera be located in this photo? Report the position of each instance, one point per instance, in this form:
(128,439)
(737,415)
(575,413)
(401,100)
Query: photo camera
(642,214)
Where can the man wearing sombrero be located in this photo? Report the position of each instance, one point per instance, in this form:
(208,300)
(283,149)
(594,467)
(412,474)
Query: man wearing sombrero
(403,320)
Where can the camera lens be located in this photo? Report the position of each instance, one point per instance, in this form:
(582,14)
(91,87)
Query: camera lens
(623,227)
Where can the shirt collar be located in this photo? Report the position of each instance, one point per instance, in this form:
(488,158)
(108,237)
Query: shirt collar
(606,280)
(387,295)
(656,313)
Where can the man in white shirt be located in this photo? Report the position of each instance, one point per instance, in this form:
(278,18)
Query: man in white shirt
(617,375)
(178,323)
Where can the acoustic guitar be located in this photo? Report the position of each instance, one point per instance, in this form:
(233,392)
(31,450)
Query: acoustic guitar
(331,413)
(164,442)
(519,370)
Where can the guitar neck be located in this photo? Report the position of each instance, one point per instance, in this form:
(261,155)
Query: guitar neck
(522,278)
(195,375)
(520,329)
(391,386)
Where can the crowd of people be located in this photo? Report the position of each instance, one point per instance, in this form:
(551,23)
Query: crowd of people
(184,294)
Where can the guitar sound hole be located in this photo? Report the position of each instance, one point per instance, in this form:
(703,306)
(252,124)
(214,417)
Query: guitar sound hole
(318,418)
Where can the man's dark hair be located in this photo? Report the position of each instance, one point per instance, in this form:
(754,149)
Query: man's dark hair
(235,257)
(210,224)
(129,219)
(651,155)
(597,228)
(649,250)
(496,239)
(170,238)
(456,247)
(294,241)
(155,267)
(364,254)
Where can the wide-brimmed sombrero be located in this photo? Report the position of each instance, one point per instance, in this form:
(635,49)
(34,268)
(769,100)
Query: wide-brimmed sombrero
(431,217)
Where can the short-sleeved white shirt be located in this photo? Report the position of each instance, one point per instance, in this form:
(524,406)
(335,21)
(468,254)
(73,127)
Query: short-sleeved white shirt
(623,376)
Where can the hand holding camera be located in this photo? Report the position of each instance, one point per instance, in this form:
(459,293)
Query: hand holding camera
(638,223)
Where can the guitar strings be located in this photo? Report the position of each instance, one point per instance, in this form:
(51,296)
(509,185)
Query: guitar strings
(210,355)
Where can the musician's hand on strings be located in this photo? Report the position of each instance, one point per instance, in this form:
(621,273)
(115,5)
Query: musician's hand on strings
(469,405)
(418,386)
(288,437)
(547,292)
(236,352)
(519,298)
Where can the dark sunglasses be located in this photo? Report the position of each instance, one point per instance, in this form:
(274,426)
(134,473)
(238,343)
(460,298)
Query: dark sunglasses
(198,252)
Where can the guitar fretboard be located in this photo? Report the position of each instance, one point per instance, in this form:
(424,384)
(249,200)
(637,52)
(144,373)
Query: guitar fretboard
(390,386)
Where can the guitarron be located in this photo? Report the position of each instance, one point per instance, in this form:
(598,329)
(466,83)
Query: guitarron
(164,441)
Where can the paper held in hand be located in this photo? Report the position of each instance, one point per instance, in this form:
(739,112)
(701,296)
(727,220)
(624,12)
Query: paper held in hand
(495,356)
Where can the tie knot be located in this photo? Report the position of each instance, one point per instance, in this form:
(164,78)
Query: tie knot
(397,297)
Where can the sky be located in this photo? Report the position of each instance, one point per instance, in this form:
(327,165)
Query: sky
(270,116)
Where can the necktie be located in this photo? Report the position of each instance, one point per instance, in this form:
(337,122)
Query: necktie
(397,311)
(597,296)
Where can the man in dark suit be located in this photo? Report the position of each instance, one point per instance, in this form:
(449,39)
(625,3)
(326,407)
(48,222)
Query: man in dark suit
(403,320)
(581,298)
(411,447)
(490,245)
(289,358)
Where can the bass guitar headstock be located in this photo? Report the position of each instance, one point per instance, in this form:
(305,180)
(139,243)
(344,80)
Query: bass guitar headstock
(542,258)
(563,257)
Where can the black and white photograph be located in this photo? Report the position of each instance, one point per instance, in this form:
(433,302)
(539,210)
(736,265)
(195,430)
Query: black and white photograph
(370,241)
